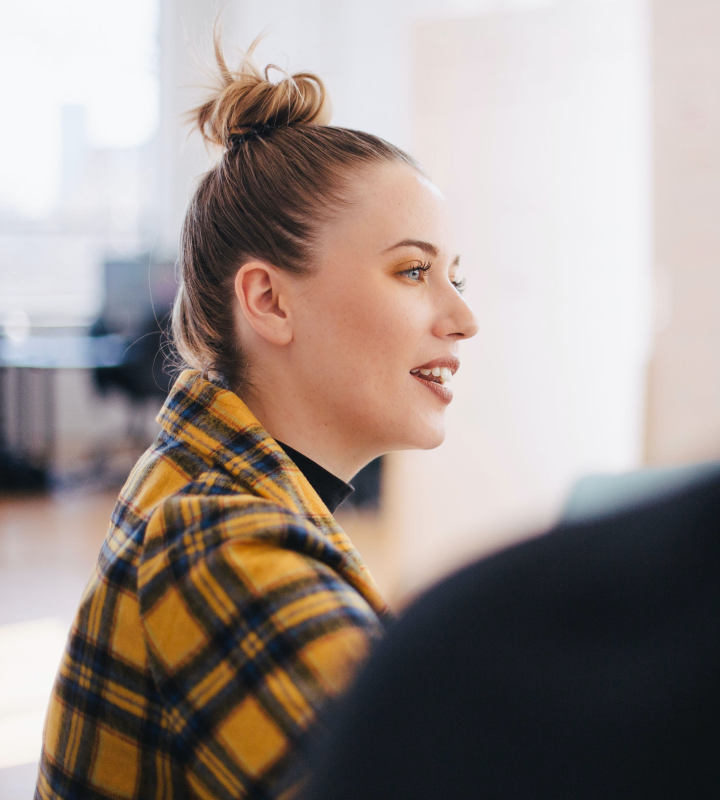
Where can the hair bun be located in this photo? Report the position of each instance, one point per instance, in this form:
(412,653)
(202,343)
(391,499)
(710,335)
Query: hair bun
(246,99)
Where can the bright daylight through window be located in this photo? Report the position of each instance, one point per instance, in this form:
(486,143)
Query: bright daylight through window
(79,80)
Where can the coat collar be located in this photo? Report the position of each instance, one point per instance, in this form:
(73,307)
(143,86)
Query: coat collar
(221,429)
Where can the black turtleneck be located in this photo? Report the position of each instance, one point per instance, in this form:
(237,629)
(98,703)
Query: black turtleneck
(330,489)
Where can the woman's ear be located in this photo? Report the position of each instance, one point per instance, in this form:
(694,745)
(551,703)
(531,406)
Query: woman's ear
(259,289)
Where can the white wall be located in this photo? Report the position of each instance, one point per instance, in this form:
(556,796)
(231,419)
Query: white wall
(536,126)
(185,36)
(684,385)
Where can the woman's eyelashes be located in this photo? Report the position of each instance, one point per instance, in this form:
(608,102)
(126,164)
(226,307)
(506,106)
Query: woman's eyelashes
(459,284)
(416,273)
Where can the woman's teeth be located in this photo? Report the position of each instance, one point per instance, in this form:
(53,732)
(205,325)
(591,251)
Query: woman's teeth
(444,373)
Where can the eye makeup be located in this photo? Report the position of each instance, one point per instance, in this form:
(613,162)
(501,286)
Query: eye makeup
(421,268)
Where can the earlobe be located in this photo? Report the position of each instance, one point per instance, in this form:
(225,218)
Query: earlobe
(260,292)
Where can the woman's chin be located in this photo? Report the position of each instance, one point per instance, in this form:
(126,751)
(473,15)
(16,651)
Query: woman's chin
(427,438)
(435,441)
(409,432)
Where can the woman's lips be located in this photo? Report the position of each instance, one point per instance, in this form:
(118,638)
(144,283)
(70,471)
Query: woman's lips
(443,392)
(437,374)
(451,363)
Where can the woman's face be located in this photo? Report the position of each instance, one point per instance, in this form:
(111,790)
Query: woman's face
(382,306)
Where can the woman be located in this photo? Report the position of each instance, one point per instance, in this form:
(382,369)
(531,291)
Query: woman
(319,313)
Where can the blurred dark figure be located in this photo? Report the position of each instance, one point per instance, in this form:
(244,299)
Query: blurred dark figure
(582,664)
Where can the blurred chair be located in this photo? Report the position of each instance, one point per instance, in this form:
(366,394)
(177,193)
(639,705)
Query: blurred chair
(18,474)
(367,485)
(141,372)
(138,303)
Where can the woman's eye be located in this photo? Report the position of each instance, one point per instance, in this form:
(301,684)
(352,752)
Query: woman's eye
(459,285)
(416,273)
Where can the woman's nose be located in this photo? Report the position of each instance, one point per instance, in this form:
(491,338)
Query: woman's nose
(459,320)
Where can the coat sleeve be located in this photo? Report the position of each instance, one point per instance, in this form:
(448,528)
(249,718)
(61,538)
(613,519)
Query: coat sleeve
(250,627)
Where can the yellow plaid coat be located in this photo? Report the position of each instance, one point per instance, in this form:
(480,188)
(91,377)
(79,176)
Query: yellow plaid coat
(227,607)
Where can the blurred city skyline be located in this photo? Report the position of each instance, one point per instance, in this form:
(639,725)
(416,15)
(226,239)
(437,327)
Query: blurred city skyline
(99,56)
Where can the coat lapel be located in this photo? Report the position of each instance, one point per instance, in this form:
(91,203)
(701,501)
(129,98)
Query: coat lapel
(217,425)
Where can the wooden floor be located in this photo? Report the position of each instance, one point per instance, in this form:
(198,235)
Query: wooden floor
(48,548)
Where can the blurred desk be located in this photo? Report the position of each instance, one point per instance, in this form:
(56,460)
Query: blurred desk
(63,352)
(49,353)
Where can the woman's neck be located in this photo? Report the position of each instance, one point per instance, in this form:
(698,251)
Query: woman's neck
(303,427)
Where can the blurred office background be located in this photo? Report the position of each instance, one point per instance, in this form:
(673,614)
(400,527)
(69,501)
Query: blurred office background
(578,143)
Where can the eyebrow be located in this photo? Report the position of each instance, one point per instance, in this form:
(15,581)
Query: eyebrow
(426,247)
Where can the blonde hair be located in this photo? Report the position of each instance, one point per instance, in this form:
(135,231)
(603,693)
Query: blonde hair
(283,173)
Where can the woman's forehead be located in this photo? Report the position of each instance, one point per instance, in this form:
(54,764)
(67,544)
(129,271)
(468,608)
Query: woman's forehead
(428,184)
(396,204)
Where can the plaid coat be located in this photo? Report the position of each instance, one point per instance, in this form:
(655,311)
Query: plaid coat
(227,607)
